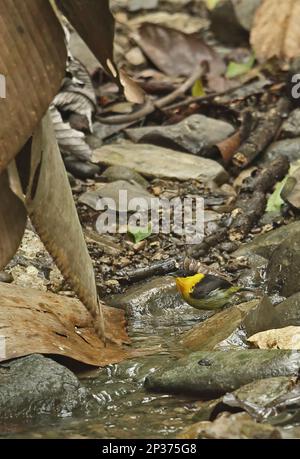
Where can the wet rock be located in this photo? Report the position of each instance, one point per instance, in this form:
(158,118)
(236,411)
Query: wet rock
(288,311)
(155,295)
(206,335)
(35,385)
(153,161)
(286,147)
(262,317)
(283,267)
(267,398)
(190,135)
(96,199)
(266,243)
(233,426)
(291,126)
(80,169)
(114,173)
(212,373)
(254,275)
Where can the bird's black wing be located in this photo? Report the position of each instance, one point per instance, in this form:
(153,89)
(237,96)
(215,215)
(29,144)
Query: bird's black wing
(207,285)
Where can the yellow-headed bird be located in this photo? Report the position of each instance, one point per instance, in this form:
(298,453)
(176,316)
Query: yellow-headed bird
(205,291)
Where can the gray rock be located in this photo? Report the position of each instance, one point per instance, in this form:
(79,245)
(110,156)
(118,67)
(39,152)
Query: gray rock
(245,11)
(212,373)
(155,295)
(261,398)
(80,169)
(291,126)
(101,132)
(190,135)
(288,311)
(153,161)
(124,173)
(265,244)
(35,385)
(112,190)
(286,147)
(262,317)
(284,267)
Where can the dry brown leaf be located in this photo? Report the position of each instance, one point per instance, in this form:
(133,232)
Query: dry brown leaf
(95,24)
(279,338)
(32,59)
(37,322)
(276,32)
(177,53)
(52,210)
(13,218)
(132,91)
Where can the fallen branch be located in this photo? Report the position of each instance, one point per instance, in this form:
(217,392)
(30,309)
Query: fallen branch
(172,265)
(150,106)
(262,135)
(227,148)
(248,208)
(158,268)
(252,200)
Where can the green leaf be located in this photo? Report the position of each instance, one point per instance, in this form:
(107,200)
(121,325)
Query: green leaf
(275,201)
(236,69)
(197,89)
(139,233)
(211,4)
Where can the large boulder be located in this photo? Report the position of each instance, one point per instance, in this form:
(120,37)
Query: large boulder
(35,385)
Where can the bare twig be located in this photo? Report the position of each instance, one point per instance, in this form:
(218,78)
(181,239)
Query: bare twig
(150,106)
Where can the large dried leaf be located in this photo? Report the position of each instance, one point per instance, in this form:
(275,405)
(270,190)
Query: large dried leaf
(177,53)
(95,24)
(13,218)
(32,58)
(37,322)
(52,210)
(276,31)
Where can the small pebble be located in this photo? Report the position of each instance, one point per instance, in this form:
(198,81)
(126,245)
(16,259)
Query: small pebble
(6,277)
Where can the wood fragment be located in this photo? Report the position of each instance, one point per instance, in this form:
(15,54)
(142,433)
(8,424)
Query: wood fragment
(262,135)
(252,199)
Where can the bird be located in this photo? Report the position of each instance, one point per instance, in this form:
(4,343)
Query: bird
(206,291)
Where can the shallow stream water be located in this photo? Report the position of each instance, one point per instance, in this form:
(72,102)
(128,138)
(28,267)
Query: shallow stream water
(123,408)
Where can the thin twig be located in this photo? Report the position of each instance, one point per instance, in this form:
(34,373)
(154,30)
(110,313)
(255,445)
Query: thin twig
(151,106)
